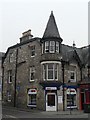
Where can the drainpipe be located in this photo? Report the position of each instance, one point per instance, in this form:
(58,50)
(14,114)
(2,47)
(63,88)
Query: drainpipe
(15,85)
(63,63)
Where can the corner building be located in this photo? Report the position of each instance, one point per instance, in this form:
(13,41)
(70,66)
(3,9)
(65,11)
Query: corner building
(43,73)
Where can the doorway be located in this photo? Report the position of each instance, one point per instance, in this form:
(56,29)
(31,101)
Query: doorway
(51,104)
(82,100)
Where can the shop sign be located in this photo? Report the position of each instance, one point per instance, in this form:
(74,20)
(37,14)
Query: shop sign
(51,88)
(32,91)
(71,91)
(60,99)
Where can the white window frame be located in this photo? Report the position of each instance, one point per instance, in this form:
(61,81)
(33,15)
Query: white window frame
(47,47)
(32,50)
(75,94)
(52,46)
(29,94)
(50,70)
(72,80)
(57,46)
(32,70)
(10,76)
(47,79)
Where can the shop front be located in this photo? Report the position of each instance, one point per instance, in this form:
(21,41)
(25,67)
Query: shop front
(84,95)
(51,95)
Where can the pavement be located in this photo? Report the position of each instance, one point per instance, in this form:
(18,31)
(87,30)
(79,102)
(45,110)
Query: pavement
(12,112)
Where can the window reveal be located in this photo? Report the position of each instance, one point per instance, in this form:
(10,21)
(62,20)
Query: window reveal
(32,73)
(33,50)
(10,76)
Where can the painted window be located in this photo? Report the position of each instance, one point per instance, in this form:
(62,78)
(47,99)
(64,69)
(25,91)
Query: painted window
(32,93)
(32,73)
(72,76)
(50,71)
(10,76)
(46,46)
(52,46)
(33,51)
(57,47)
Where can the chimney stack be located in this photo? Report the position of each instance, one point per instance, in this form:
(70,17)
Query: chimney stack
(26,36)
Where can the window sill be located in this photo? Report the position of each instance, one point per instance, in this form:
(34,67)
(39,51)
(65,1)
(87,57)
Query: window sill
(32,80)
(71,107)
(33,56)
(9,82)
(31,105)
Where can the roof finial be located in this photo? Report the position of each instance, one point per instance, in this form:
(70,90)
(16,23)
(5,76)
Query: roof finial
(52,12)
(74,44)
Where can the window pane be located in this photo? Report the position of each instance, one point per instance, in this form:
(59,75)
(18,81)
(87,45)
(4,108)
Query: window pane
(72,75)
(32,99)
(32,73)
(51,100)
(57,47)
(50,74)
(52,46)
(50,66)
(32,50)
(47,46)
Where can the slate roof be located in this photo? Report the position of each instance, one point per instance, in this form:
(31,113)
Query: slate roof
(51,28)
(83,53)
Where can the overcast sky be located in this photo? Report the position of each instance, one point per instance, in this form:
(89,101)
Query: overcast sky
(17,16)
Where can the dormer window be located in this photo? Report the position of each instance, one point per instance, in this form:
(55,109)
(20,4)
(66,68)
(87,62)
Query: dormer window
(50,47)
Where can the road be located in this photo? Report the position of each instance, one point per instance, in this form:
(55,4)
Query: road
(15,113)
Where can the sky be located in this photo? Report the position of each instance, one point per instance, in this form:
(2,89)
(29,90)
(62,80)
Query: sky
(18,16)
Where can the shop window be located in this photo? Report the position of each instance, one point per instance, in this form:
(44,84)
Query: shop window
(71,98)
(32,73)
(32,93)
(52,46)
(50,71)
(10,76)
(32,51)
(72,76)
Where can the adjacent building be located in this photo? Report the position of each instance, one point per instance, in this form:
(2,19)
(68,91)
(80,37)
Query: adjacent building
(45,74)
(1,55)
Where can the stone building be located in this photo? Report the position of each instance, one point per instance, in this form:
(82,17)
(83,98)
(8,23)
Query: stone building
(43,73)
(1,55)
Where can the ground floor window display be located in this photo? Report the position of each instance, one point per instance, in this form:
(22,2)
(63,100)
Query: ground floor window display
(71,98)
(32,93)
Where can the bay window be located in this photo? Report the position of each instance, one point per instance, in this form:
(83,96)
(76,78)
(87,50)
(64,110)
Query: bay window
(50,47)
(50,71)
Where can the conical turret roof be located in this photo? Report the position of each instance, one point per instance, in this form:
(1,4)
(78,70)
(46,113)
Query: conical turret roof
(51,28)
